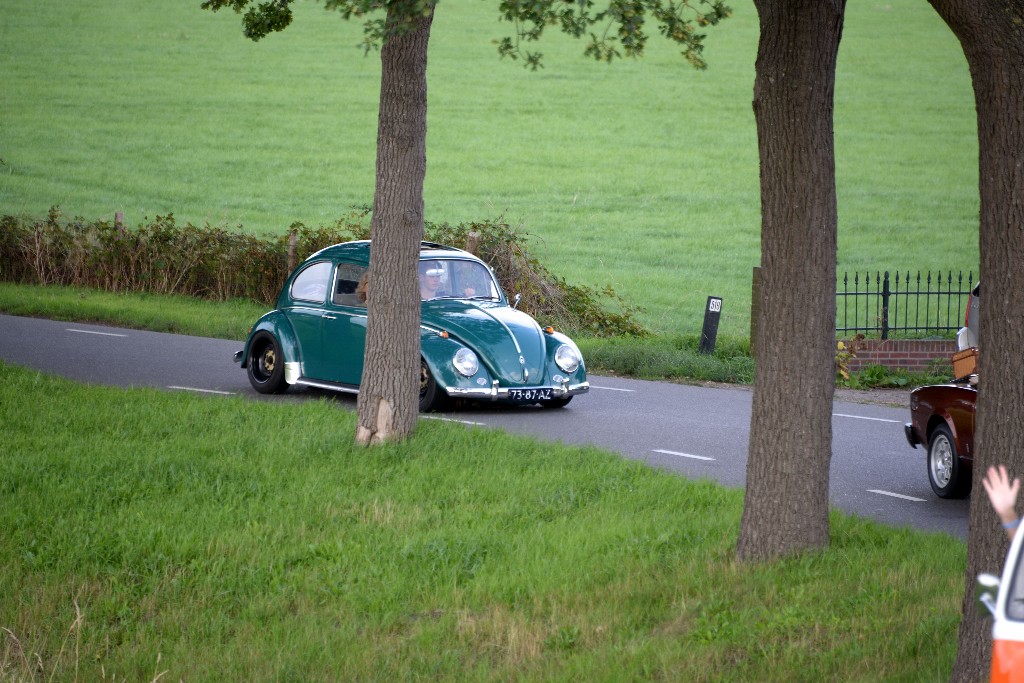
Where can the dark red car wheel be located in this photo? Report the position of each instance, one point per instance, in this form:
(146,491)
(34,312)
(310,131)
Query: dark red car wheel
(947,475)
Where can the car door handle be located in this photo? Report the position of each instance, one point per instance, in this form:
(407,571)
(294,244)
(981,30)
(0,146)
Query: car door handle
(328,316)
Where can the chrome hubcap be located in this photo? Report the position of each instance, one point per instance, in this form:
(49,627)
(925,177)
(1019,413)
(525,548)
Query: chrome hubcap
(268,361)
(942,462)
(424,378)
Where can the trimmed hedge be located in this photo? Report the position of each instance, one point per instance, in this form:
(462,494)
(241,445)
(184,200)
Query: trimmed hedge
(210,262)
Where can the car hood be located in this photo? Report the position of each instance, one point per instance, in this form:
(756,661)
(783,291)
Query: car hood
(507,341)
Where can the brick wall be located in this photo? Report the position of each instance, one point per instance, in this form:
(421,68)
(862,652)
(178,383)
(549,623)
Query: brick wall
(914,355)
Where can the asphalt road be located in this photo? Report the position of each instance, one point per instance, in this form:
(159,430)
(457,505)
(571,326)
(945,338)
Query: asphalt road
(699,432)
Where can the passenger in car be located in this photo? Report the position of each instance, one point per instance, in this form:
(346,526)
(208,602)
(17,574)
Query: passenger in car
(363,287)
(1003,496)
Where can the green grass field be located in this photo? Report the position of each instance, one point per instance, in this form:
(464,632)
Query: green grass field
(155,535)
(642,174)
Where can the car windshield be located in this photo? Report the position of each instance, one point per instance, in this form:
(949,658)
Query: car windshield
(456,279)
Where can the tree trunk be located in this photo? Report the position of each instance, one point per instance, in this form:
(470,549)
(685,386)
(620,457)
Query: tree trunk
(991,35)
(786,505)
(388,404)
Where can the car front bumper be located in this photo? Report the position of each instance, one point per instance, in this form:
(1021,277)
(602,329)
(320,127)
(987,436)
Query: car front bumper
(908,431)
(496,393)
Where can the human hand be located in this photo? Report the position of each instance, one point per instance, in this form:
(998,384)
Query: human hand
(1001,493)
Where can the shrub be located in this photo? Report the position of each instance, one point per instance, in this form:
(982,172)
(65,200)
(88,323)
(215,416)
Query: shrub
(212,262)
(544,295)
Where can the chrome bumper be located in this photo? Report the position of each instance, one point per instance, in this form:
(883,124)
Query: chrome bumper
(496,393)
(908,431)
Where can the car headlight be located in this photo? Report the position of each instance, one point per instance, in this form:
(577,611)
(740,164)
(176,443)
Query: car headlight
(567,358)
(466,362)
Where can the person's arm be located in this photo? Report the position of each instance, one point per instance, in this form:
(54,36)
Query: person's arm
(1003,497)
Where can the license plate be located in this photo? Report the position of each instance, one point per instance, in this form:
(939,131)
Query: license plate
(529,394)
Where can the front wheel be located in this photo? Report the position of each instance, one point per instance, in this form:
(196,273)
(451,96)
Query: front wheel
(432,397)
(947,475)
(266,365)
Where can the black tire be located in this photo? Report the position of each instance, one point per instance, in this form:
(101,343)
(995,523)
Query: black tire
(266,365)
(556,403)
(947,475)
(432,397)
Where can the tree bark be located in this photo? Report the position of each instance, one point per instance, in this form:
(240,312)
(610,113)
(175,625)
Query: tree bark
(388,405)
(991,33)
(786,504)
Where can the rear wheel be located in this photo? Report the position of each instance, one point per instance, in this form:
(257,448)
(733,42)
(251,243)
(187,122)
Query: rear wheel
(432,397)
(266,365)
(947,475)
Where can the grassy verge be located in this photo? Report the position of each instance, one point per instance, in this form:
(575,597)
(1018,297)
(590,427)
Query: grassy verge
(160,313)
(159,535)
(673,358)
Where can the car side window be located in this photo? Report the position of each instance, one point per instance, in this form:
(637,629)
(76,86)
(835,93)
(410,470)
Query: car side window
(311,284)
(350,285)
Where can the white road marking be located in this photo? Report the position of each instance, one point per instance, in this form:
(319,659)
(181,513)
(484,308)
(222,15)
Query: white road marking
(204,391)
(631,391)
(896,495)
(452,419)
(104,334)
(861,417)
(682,455)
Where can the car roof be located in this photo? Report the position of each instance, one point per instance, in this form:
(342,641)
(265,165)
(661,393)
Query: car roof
(359,251)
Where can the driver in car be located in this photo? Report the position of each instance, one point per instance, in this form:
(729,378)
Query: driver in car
(430,282)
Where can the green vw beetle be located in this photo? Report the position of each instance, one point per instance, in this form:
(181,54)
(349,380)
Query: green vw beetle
(473,344)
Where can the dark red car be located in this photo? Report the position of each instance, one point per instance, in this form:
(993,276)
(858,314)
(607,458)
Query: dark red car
(942,420)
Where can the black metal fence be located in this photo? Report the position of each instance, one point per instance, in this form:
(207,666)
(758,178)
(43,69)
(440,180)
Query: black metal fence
(922,305)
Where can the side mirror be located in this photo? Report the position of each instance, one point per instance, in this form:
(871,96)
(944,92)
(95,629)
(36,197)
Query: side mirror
(985,592)
(516,299)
